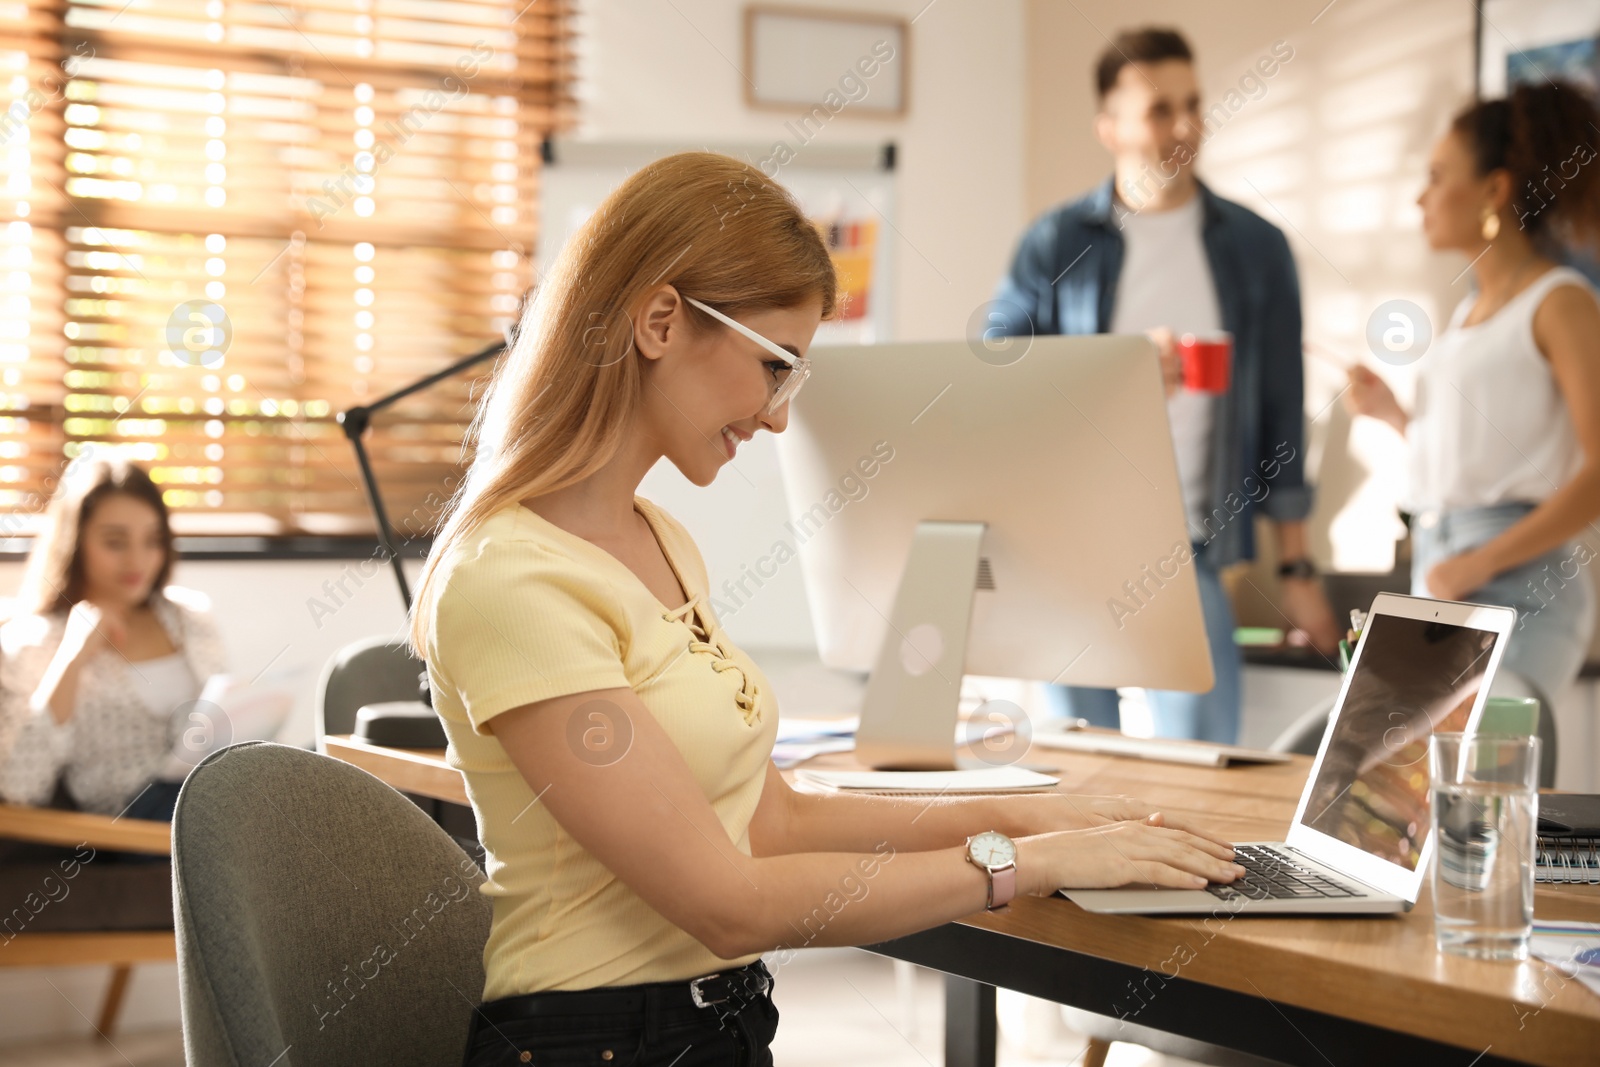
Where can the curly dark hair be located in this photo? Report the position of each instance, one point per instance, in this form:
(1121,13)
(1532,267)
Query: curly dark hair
(1543,135)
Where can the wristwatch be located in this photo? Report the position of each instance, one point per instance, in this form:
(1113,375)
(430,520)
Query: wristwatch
(996,854)
(1297,568)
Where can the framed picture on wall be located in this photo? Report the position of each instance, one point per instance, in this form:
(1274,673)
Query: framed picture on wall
(1525,41)
(825,63)
(1530,40)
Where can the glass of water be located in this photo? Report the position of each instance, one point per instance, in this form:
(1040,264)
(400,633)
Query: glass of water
(1485,801)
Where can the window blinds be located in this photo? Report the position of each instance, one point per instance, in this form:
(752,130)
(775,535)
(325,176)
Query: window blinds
(224,222)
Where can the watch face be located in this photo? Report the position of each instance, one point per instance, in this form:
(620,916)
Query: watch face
(993,849)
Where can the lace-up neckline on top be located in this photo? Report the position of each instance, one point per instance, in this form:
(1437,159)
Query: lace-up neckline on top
(700,642)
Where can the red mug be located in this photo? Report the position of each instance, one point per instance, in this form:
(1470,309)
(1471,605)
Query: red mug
(1207,360)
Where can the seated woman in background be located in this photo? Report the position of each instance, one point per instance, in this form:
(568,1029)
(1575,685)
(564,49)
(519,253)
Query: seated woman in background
(1504,436)
(101,653)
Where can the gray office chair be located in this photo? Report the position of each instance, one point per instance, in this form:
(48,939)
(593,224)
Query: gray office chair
(370,671)
(321,917)
(1304,735)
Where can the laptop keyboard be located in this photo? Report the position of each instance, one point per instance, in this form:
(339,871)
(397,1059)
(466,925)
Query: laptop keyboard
(1270,875)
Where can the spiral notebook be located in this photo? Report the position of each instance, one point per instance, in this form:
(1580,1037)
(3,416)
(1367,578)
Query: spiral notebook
(1569,838)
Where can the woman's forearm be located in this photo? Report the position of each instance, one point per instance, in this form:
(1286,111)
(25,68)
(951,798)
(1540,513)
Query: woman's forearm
(841,898)
(1565,514)
(841,823)
(32,756)
(880,892)
(58,689)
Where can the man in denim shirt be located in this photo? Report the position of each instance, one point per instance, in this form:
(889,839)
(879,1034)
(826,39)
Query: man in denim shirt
(1152,250)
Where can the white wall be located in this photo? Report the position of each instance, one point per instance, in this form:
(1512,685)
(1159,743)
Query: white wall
(669,72)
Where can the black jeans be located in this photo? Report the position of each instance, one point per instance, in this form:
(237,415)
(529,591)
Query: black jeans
(156,802)
(655,1024)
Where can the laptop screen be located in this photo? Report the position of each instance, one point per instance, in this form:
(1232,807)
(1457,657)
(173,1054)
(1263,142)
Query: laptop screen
(1413,677)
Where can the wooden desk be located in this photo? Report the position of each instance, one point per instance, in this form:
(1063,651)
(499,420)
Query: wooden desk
(1314,991)
(422,771)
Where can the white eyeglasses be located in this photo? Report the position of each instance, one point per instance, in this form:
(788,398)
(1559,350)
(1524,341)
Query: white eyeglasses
(796,368)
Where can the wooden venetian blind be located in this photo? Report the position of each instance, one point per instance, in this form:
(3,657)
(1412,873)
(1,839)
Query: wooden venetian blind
(224,222)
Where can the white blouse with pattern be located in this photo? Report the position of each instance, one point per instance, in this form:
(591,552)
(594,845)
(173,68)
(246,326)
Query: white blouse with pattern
(125,720)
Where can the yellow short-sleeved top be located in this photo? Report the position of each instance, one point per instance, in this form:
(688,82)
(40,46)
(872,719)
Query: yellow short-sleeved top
(527,611)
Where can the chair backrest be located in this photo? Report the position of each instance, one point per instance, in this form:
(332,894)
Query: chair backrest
(369,671)
(1304,735)
(322,918)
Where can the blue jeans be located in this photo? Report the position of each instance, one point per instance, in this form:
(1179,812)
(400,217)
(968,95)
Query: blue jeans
(1210,716)
(1552,595)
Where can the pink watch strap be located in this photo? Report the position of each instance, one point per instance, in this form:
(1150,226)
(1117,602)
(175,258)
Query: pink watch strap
(1005,886)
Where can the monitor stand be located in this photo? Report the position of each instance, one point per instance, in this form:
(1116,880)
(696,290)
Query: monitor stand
(912,703)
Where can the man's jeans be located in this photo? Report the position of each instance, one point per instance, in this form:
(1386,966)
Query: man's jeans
(1212,716)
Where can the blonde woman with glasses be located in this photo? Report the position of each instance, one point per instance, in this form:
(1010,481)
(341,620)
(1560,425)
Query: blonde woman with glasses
(643,850)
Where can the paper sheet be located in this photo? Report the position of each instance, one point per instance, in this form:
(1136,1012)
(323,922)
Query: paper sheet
(1570,947)
(228,710)
(816,729)
(987,779)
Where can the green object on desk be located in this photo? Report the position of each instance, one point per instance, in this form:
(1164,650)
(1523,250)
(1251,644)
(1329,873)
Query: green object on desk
(1344,654)
(1514,716)
(1505,717)
(1257,636)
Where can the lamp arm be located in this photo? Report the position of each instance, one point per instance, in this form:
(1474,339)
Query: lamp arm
(355,422)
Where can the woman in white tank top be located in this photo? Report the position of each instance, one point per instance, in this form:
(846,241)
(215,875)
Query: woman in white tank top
(1504,440)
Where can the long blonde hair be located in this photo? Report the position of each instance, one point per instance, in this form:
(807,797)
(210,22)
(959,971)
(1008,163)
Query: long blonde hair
(562,398)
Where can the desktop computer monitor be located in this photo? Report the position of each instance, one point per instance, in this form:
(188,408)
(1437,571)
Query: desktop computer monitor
(1018,517)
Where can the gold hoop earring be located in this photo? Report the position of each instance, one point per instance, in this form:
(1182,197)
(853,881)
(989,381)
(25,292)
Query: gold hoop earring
(1491,224)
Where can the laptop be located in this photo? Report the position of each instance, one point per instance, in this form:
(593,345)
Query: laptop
(1359,842)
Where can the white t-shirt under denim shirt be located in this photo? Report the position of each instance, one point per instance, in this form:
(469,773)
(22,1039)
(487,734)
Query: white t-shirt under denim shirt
(1166,281)
(1490,424)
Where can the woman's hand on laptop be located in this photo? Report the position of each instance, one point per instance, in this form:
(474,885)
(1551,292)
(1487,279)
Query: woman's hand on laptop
(1142,852)
(1067,811)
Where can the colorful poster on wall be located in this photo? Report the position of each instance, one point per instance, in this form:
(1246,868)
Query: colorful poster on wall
(852,244)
